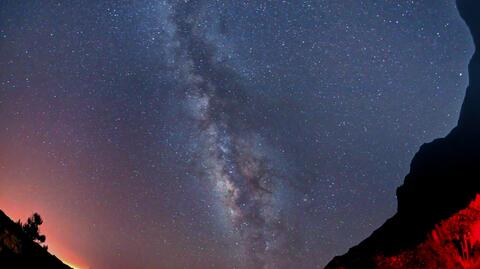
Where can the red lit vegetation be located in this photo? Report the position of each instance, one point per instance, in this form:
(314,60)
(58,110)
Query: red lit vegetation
(454,243)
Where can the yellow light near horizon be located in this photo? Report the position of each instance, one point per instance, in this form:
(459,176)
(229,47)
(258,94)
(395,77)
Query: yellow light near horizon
(71,265)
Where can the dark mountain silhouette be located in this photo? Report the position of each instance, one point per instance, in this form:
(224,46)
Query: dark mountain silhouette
(437,224)
(18,251)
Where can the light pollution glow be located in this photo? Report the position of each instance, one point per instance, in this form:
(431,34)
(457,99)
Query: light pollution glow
(56,246)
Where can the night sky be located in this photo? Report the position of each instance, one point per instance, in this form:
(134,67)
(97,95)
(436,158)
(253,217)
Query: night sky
(219,134)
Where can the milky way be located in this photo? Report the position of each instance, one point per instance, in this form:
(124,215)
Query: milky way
(234,158)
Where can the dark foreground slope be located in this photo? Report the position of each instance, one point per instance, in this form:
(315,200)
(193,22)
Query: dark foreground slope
(444,179)
(19,252)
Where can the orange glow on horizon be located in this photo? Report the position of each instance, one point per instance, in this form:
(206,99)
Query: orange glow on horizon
(63,251)
(69,260)
(73,266)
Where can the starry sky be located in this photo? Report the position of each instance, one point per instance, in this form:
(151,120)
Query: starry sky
(219,134)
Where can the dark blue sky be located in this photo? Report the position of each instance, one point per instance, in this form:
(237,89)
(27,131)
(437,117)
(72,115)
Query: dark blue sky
(219,134)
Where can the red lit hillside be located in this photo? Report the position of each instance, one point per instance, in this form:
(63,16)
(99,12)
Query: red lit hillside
(454,243)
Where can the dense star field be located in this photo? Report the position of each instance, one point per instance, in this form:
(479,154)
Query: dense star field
(219,134)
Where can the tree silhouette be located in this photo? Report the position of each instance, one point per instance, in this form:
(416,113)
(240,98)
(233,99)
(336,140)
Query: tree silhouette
(31,230)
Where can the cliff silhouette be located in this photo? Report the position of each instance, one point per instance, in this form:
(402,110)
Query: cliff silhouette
(17,251)
(438,215)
